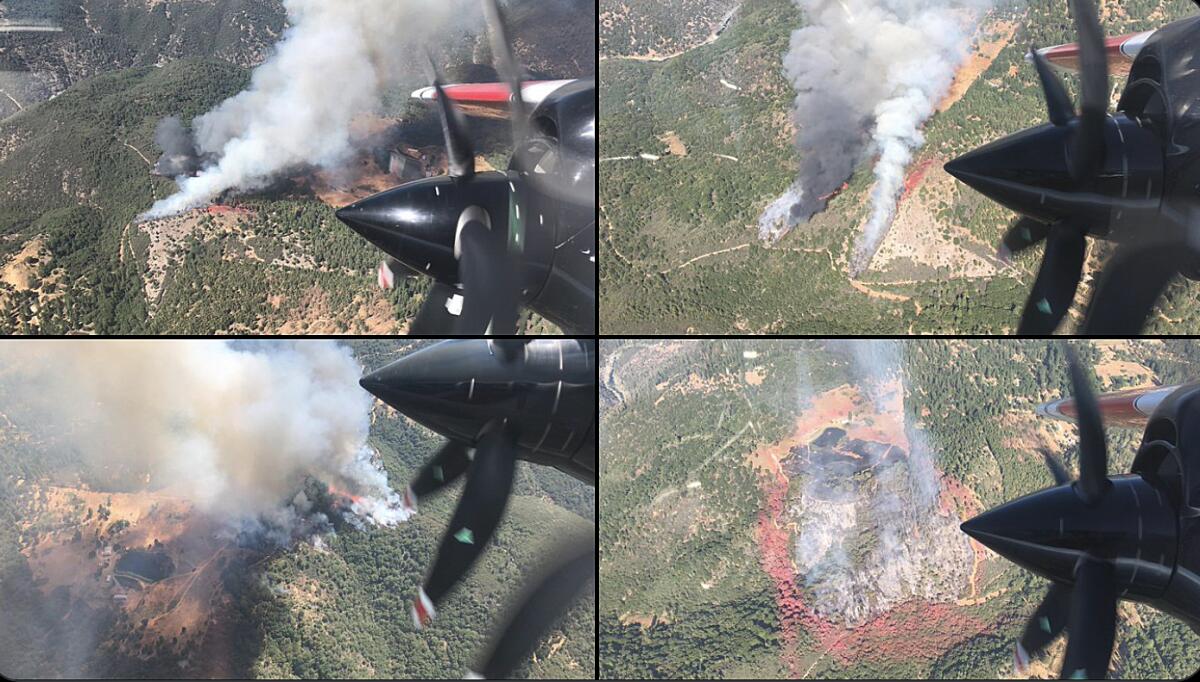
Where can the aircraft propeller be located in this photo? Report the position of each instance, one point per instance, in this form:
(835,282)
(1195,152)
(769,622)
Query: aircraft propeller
(1082,174)
(457,229)
(1083,136)
(1087,608)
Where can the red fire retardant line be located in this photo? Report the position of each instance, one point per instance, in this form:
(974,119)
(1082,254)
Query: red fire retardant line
(775,556)
(912,630)
(915,177)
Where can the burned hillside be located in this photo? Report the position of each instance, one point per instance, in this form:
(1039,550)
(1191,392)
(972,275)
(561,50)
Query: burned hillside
(863,544)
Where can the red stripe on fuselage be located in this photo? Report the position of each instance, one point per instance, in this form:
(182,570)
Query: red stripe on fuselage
(1116,409)
(1130,407)
(488,92)
(1119,61)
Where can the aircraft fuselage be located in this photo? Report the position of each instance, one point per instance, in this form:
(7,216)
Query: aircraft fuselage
(1169,461)
(1146,524)
(545,390)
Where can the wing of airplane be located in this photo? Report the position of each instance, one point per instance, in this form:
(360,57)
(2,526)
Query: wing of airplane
(1120,50)
(1128,408)
(490,100)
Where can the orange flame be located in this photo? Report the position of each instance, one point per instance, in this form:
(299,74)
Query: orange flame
(344,494)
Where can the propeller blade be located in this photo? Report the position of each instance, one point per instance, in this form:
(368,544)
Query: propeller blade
(1022,235)
(1046,622)
(489,280)
(1058,103)
(1093,621)
(434,319)
(1093,456)
(1057,279)
(1087,146)
(451,461)
(510,71)
(1128,288)
(540,608)
(480,509)
(1056,467)
(459,150)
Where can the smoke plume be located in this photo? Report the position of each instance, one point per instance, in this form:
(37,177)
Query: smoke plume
(877,362)
(867,74)
(179,152)
(867,543)
(238,429)
(328,67)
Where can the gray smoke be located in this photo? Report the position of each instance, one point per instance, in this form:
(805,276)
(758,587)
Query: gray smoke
(330,66)
(865,545)
(867,74)
(179,156)
(877,361)
(237,429)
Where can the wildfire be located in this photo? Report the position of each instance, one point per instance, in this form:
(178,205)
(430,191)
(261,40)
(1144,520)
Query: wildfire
(223,209)
(345,494)
(877,639)
(915,177)
(834,193)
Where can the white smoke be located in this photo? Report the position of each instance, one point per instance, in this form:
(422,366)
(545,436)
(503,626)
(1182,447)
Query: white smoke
(179,151)
(777,218)
(879,368)
(867,74)
(329,67)
(237,428)
(864,545)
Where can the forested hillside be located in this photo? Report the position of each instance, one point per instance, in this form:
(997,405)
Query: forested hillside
(695,146)
(648,28)
(73,179)
(337,607)
(107,35)
(75,173)
(700,525)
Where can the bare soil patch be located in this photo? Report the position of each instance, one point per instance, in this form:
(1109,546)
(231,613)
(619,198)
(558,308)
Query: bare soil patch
(674,145)
(917,236)
(178,609)
(21,271)
(981,58)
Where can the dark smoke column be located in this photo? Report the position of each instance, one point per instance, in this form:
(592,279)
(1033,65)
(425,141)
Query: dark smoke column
(829,149)
(179,156)
(867,74)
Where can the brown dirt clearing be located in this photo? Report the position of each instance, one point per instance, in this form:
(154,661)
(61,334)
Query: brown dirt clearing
(918,237)
(980,60)
(675,145)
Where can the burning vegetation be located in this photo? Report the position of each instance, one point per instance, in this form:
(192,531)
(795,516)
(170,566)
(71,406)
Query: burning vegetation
(379,156)
(155,580)
(855,533)
(212,457)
